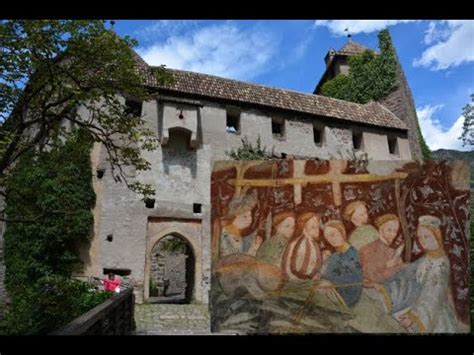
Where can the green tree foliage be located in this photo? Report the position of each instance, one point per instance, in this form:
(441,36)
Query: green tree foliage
(50,68)
(173,245)
(48,304)
(49,200)
(467,135)
(249,152)
(371,77)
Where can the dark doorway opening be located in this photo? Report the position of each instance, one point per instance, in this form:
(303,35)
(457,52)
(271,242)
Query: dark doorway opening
(172,271)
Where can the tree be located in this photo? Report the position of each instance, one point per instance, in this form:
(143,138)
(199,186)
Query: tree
(467,135)
(51,70)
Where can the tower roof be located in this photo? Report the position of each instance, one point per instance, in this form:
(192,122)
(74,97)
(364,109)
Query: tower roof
(352,47)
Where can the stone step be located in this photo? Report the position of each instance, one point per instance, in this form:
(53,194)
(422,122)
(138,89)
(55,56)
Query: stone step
(171,319)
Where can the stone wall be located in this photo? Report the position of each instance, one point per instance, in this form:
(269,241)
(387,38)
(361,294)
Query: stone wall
(401,103)
(171,267)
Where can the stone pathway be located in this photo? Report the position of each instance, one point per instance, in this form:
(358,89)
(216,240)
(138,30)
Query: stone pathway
(172,319)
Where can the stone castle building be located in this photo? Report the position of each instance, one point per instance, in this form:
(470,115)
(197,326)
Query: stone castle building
(197,119)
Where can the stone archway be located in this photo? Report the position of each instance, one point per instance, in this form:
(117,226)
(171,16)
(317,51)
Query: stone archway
(186,229)
(172,270)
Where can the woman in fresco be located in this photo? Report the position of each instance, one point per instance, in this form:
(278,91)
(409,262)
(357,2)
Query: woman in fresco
(430,308)
(302,257)
(248,268)
(342,269)
(364,233)
(272,249)
(379,260)
(238,220)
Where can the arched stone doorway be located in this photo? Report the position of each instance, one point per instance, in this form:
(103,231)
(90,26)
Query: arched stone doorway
(172,270)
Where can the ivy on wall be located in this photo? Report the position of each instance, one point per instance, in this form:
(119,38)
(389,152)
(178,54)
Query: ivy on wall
(49,201)
(425,150)
(371,77)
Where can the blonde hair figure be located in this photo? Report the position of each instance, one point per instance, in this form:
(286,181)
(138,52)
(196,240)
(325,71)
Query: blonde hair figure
(364,233)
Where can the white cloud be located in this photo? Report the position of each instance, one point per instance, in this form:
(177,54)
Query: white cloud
(435,135)
(222,49)
(453,45)
(160,29)
(338,27)
(436,32)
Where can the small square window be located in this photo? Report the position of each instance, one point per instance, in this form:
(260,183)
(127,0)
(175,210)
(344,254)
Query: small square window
(133,108)
(357,140)
(278,128)
(150,203)
(197,208)
(120,272)
(318,135)
(232,121)
(393,145)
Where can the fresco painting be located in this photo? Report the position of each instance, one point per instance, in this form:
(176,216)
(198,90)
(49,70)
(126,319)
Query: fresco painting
(340,246)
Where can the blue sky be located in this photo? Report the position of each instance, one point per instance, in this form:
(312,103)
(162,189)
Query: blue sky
(437,56)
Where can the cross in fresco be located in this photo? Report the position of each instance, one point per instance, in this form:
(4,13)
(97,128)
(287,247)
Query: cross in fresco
(335,176)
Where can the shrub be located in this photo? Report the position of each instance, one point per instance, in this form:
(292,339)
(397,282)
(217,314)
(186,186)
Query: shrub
(49,201)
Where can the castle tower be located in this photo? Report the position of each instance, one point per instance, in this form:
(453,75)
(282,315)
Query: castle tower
(400,101)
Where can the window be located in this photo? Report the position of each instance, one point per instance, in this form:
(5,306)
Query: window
(150,203)
(357,140)
(278,128)
(233,121)
(133,108)
(197,208)
(318,135)
(100,173)
(393,145)
(120,272)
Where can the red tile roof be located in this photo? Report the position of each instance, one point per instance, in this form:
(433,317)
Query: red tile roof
(214,87)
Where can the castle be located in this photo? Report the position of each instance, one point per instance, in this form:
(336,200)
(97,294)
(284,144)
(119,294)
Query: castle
(197,119)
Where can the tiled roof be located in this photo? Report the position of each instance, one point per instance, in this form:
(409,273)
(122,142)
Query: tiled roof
(352,48)
(213,87)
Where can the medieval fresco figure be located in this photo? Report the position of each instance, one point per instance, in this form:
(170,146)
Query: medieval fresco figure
(272,249)
(364,233)
(431,309)
(239,272)
(379,260)
(308,277)
(238,219)
(342,269)
(302,257)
